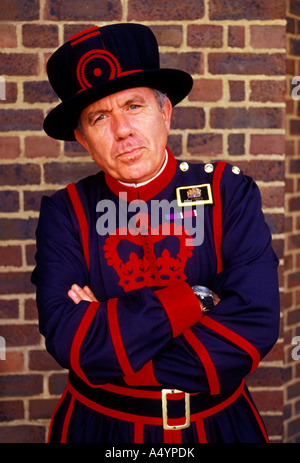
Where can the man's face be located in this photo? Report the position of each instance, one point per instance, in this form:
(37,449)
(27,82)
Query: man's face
(126,134)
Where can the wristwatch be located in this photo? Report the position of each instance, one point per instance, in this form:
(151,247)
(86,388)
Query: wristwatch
(205,295)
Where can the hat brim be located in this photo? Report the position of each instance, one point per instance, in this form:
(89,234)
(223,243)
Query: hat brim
(63,119)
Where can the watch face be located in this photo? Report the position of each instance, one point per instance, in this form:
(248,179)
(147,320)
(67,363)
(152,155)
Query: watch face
(202,291)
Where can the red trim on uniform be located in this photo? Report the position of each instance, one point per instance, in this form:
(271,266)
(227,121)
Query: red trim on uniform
(206,360)
(143,377)
(258,418)
(234,338)
(84,33)
(217,213)
(149,190)
(84,229)
(68,415)
(79,337)
(116,337)
(181,306)
(54,412)
(138,433)
(150,420)
(201,432)
(172,437)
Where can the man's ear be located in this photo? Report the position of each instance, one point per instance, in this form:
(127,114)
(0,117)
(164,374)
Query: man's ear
(82,140)
(167,113)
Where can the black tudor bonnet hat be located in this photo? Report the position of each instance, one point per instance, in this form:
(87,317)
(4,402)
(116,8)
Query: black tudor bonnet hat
(101,61)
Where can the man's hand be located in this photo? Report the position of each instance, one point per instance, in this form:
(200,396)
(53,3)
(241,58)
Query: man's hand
(78,294)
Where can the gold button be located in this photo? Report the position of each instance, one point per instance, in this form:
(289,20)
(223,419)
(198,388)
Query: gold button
(184,166)
(209,168)
(235,170)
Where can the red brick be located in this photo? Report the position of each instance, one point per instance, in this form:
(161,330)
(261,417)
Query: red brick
(267,144)
(240,117)
(30,251)
(272,196)
(294,127)
(20,335)
(275,222)
(40,35)
(237,90)
(16,282)
(8,36)
(19,64)
(188,118)
(247,9)
(267,171)
(267,400)
(42,361)
(22,434)
(39,92)
(9,147)
(205,144)
(205,35)
(32,199)
(171,36)
(21,385)
(267,36)
(13,363)
(191,62)
(20,10)
(206,90)
(89,10)
(11,255)
(20,174)
(175,144)
(9,201)
(21,119)
(236,144)
(236,36)
(165,11)
(11,410)
(246,63)
(9,309)
(57,383)
(31,312)
(41,146)
(266,376)
(66,172)
(41,409)
(11,93)
(267,90)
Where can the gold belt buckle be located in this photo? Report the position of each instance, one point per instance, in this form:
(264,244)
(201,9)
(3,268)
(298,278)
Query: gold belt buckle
(164,401)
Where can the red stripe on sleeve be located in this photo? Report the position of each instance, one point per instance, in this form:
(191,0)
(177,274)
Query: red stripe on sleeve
(84,229)
(234,338)
(78,339)
(181,305)
(206,360)
(217,213)
(117,338)
(143,377)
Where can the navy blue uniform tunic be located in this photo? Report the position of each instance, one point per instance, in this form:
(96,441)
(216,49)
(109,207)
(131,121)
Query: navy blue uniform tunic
(147,332)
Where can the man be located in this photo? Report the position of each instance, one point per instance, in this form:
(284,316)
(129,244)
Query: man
(156,282)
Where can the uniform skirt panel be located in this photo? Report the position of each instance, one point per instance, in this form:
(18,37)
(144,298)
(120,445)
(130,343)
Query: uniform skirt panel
(77,420)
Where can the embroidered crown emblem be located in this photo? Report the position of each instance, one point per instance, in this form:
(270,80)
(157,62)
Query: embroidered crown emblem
(150,269)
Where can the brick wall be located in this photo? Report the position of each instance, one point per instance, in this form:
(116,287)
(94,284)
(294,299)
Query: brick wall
(236,111)
(292,241)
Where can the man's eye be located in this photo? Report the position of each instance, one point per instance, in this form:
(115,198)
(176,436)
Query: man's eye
(134,106)
(99,118)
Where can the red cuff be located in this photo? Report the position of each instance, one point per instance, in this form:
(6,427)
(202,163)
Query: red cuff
(182,307)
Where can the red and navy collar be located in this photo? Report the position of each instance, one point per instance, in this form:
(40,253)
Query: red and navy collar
(150,189)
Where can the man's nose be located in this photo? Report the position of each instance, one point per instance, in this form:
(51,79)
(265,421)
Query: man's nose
(121,126)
